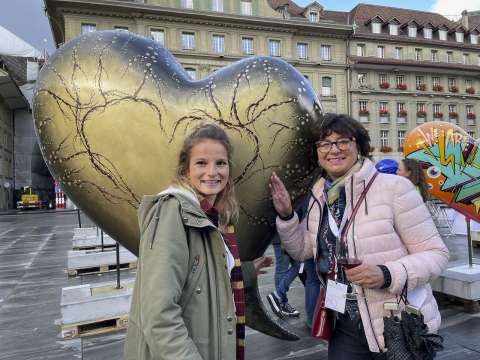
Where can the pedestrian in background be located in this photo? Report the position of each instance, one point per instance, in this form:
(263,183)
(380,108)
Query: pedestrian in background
(413,171)
(286,270)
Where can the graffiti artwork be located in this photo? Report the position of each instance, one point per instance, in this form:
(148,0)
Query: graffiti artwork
(451,162)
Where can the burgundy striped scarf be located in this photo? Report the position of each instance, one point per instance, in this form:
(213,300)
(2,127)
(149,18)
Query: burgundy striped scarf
(236,277)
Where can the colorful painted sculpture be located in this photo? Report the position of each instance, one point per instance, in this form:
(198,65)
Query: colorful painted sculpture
(111,110)
(451,161)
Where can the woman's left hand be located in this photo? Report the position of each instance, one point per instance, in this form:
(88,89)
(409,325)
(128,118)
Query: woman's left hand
(262,262)
(366,276)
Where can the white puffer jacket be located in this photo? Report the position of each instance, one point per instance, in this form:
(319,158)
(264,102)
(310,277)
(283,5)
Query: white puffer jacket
(393,228)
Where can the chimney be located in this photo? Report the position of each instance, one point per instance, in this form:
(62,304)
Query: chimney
(464,20)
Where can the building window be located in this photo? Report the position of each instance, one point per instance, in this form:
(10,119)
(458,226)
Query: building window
(274,46)
(187,4)
(398,53)
(325,52)
(360,49)
(449,57)
(469,108)
(427,33)
(383,106)
(474,39)
(383,138)
(442,35)
(418,54)
(188,40)
(471,133)
(436,81)
(362,79)
(363,105)
(313,16)
(401,139)
(401,109)
(393,29)
(326,86)
(158,36)
(421,107)
(412,31)
(452,83)
(419,82)
(400,80)
(468,83)
(217,5)
(381,52)
(459,36)
(376,28)
(192,73)
(437,109)
(382,79)
(452,111)
(302,50)
(218,44)
(247,45)
(466,59)
(434,55)
(246,7)
(88,28)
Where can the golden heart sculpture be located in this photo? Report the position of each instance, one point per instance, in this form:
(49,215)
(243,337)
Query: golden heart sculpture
(112,108)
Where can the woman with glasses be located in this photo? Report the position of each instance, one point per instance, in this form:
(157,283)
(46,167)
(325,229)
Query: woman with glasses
(368,231)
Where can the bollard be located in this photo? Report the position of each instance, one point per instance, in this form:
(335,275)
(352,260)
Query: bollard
(101,237)
(79,218)
(117,249)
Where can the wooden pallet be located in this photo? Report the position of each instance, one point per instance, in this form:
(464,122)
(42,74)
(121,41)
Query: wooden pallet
(94,327)
(100,269)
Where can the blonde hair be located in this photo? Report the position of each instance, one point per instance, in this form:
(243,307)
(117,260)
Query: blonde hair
(225,202)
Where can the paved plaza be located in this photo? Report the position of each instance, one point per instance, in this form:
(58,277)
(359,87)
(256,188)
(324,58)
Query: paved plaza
(33,259)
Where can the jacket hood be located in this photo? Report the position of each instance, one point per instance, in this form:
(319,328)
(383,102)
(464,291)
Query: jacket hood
(189,203)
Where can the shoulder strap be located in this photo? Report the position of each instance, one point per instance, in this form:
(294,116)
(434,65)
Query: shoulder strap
(357,206)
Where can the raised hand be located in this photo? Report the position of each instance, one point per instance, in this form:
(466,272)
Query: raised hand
(262,262)
(280,196)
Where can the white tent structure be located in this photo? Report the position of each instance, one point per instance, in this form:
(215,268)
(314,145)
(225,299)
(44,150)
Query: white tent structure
(12,45)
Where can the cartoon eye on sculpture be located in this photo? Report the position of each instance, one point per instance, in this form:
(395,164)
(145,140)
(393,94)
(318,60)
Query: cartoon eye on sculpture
(112,108)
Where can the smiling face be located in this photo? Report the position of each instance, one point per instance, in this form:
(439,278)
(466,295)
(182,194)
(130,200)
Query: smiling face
(337,162)
(208,168)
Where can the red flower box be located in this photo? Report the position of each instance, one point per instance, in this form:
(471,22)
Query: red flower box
(422,87)
(383,112)
(402,113)
(421,113)
(363,112)
(470,90)
(453,89)
(386,149)
(437,88)
(453,114)
(438,115)
(400,149)
(402,86)
(384,85)
(471,116)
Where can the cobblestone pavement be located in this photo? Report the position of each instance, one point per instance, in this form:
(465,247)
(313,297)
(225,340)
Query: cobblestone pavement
(33,258)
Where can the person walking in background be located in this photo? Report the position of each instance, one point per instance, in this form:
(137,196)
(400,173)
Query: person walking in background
(286,270)
(312,289)
(413,171)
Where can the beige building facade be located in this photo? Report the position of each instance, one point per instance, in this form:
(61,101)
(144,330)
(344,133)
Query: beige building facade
(390,68)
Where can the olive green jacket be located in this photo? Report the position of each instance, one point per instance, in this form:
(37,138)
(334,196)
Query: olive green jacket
(182,306)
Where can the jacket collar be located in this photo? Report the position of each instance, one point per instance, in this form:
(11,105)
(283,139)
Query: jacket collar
(192,214)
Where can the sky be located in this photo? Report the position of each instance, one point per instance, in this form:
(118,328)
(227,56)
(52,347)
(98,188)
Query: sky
(27,19)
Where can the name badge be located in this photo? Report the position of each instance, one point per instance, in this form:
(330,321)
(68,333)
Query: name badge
(336,296)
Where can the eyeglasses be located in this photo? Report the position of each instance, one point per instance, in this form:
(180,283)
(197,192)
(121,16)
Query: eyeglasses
(341,144)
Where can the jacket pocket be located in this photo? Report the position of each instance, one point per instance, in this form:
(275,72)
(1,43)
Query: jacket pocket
(195,272)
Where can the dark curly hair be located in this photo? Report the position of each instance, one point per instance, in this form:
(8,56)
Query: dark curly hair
(417,177)
(345,125)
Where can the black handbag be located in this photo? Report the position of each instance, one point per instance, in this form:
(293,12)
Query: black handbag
(407,337)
